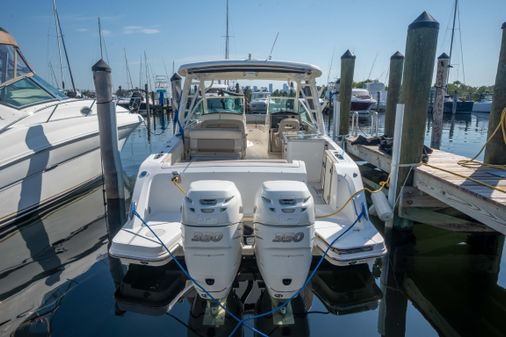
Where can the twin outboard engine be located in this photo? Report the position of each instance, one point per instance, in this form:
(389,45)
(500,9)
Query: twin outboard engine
(284,233)
(211,216)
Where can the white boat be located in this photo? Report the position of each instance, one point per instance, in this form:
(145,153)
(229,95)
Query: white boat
(284,181)
(50,143)
(361,101)
(483,105)
(258,102)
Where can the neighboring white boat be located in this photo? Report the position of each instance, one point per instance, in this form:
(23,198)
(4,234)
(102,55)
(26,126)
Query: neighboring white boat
(50,143)
(374,88)
(361,101)
(258,102)
(221,178)
(483,105)
(138,101)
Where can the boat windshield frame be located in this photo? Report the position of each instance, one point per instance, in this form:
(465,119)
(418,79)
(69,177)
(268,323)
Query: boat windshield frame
(301,77)
(22,72)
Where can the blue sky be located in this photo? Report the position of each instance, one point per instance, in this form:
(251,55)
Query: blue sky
(309,31)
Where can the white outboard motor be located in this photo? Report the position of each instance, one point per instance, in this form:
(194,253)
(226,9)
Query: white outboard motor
(211,216)
(284,232)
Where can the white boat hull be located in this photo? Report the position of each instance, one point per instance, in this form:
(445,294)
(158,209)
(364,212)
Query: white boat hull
(34,174)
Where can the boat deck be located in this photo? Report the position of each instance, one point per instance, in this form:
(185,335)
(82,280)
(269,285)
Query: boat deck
(258,143)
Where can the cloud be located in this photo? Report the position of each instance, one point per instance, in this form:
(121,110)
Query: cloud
(106,32)
(82,30)
(140,30)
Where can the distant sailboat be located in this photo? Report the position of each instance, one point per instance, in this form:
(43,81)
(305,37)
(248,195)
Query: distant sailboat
(462,106)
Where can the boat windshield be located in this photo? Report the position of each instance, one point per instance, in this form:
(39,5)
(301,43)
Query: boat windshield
(19,86)
(220,104)
(286,105)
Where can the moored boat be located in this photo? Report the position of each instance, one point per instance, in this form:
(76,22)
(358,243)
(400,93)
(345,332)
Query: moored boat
(50,142)
(233,178)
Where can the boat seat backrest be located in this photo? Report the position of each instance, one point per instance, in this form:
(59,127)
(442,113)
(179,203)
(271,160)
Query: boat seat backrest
(222,124)
(201,141)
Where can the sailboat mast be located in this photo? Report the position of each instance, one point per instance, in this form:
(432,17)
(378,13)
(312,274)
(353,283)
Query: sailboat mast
(130,83)
(64,47)
(227,37)
(59,45)
(453,31)
(100,37)
(140,74)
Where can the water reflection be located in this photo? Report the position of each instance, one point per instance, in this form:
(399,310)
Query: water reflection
(157,290)
(450,278)
(41,256)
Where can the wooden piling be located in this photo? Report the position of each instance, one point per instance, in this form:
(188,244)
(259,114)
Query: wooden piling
(394,90)
(109,151)
(495,152)
(438,106)
(347,69)
(421,46)
(148,117)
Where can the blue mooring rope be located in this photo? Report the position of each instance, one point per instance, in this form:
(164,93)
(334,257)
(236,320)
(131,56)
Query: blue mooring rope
(240,322)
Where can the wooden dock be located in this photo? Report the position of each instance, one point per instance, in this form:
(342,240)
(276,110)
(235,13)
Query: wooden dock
(443,179)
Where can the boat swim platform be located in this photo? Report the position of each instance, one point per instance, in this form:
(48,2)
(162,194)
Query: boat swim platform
(433,185)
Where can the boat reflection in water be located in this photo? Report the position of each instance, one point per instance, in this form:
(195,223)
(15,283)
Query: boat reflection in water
(156,291)
(43,254)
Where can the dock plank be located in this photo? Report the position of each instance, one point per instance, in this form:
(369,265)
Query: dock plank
(482,203)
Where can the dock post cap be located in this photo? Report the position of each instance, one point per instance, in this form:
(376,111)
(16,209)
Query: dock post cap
(397,55)
(443,56)
(175,77)
(503,25)
(424,20)
(348,55)
(101,66)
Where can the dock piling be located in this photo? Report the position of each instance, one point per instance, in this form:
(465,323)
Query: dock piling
(438,106)
(336,106)
(421,46)
(394,91)
(109,151)
(148,117)
(175,83)
(345,85)
(495,152)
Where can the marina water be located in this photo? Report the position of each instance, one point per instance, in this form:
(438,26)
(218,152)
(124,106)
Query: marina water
(56,277)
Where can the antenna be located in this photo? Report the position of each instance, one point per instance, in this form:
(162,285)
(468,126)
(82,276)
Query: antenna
(272,48)
(100,37)
(173,68)
(227,37)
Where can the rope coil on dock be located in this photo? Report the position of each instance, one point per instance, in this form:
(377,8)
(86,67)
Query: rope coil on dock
(474,164)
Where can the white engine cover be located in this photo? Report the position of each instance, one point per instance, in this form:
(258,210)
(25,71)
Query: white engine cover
(284,231)
(212,235)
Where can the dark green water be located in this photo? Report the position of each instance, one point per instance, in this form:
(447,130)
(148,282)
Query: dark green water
(57,280)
